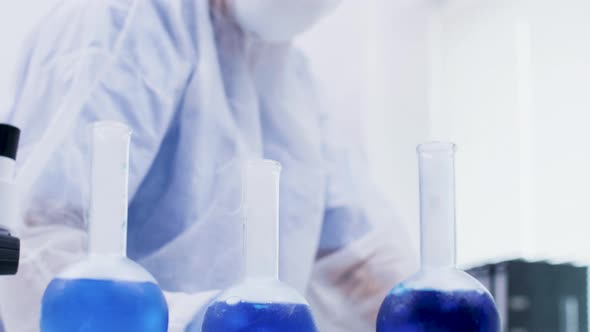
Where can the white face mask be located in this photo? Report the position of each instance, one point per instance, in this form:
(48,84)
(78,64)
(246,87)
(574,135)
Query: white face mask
(279,20)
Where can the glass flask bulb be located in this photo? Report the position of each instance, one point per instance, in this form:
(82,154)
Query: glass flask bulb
(106,291)
(261,302)
(439,298)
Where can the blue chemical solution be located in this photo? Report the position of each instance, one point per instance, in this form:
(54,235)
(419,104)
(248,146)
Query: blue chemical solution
(437,311)
(103,305)
(254,317)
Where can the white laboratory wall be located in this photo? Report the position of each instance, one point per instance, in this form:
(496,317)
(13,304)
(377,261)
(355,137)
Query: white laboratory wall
(510,84)
(397,102)
(475,103)
(372,62)
(506,80)
(560,90)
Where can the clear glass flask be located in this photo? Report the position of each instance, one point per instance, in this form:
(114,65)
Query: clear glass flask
(261,302)
(439,298)
(107,291)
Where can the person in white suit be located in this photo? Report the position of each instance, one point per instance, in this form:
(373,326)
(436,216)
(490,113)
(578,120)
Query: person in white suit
(203,84)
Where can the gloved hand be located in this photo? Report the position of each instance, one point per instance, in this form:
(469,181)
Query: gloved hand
(348,286)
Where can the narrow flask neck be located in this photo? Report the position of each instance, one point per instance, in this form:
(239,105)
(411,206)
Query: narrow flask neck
(262,219)
(437,205)
(108,212)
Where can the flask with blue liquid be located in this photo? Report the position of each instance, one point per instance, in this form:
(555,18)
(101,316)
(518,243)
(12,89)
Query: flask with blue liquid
(106,291)
(440,298)
(261,302)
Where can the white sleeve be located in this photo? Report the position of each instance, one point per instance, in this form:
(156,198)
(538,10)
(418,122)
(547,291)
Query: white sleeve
(88,84)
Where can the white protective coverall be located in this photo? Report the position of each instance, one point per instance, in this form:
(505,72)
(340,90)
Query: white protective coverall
(202,84)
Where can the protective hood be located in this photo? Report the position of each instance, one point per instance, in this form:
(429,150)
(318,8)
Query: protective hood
(279,20)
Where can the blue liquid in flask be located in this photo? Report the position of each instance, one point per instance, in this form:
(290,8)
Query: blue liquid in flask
(408,310)
(103,305)
(256,317)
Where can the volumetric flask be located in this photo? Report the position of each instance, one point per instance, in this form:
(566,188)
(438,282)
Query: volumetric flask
(261,302)
(440,298)
(107,291)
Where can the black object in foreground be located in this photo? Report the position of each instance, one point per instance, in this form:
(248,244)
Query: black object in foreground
(9,244)
(9,253)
